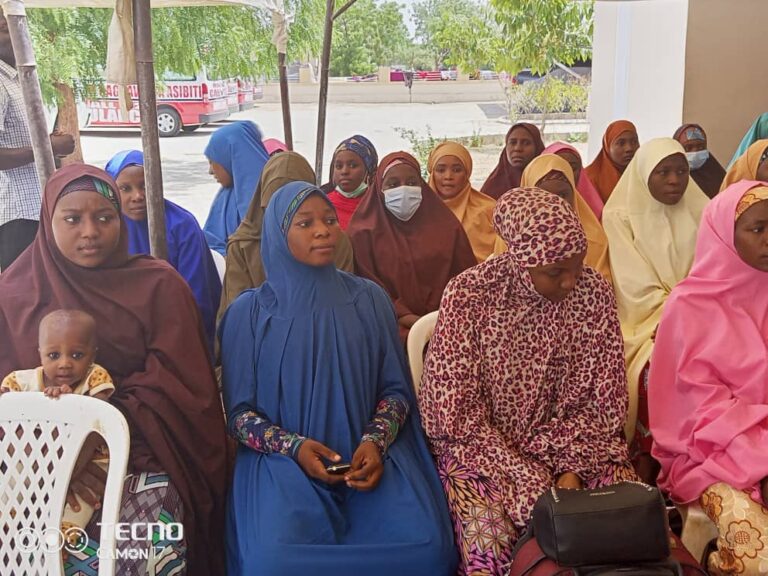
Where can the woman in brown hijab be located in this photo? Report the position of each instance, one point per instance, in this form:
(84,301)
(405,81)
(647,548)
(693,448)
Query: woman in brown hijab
(406,240)
(521,145)
(620,143)
(244,267)
(706,171)
(151,341)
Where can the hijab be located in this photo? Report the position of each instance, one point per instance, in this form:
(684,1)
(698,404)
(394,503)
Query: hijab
(584,186)
(603,173)
(710,176)
(411,260)
(707,395)
(511,374)
(238,148)
(597,242)
(344,204)
(244,268)
(272,145)
(188,251)
(473,209)
(758,131)
(746,166)
(504,177)
(651,246)
(151,342)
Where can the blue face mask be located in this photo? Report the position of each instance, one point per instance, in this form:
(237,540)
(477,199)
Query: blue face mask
(697,159)
(403,201)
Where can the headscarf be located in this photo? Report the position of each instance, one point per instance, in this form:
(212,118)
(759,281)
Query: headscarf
(473,209)
(518,388)
(239,149)
(758,131)
(584,186)
(412,260)
(603,173)
(151,342)
(504,177)
(597,243)
(346,206)
(710,176)
(314,350)
(745,168)
(188,251)
(651,247)
(706,394)
(272,145)
(244,268)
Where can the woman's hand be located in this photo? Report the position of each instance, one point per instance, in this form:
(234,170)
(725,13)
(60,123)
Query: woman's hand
(367,468)
(408,320)
(311,459)
(89,484)
(570,481)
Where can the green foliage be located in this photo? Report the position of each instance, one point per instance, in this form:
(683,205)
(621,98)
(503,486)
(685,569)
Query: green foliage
(366,36)
(547,96)
(420,146)
(228,41)
(538,33)
(468,36)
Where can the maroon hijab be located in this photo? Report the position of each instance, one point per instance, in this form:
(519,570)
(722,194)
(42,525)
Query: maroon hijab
(152,343)
(413,260)
(504,177)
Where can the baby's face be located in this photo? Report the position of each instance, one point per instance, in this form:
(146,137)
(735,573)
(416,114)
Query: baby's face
(66,353)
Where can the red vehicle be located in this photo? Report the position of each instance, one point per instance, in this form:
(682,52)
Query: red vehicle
(182,104)
(248,93)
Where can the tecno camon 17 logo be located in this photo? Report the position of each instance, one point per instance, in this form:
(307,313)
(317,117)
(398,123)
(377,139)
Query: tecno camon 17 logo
(134,539)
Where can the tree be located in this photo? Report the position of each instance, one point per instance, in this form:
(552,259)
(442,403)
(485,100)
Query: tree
(471,51)
(71,44)
(366,36)
(538,33)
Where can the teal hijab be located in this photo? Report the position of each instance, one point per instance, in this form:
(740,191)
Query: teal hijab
(758,131)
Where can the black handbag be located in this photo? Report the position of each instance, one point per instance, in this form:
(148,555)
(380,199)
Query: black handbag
(623,523)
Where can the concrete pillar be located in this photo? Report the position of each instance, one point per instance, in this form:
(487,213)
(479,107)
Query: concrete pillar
(660,63)
(383,74)
(305,75)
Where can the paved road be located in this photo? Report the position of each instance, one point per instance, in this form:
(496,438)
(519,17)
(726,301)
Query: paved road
(185,169)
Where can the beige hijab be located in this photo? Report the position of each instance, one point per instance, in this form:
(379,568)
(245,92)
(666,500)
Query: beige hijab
(652,247)
(597,242)
(244,267)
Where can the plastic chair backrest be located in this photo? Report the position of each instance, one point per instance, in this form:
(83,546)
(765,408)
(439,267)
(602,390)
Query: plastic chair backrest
(40,440)
(221,264)
(419,335)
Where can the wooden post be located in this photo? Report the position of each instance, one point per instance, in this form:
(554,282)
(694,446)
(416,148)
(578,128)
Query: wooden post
(67,123)
(150,139)
(30,87)
(325,61)
(285,101)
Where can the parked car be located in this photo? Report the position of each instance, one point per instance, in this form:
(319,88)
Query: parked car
(183,103)
(448,75)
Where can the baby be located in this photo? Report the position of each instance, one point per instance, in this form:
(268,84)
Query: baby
(67,345)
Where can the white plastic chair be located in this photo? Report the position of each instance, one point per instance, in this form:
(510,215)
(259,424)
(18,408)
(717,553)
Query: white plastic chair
(420,333)
(220,262)
(40,440)
(698,530)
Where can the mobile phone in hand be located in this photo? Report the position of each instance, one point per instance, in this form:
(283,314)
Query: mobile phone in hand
(338,469)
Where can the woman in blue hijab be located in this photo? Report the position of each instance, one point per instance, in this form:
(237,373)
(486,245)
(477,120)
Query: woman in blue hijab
(314,375)
(237,157)
(188,251)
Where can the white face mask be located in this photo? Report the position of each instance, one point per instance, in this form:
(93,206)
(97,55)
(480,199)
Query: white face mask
(403,201)
(696,159)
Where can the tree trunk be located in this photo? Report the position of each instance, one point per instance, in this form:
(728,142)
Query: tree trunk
(67,123)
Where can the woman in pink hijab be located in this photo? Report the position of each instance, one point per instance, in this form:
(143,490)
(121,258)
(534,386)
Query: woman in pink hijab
(708,385)
(584,185)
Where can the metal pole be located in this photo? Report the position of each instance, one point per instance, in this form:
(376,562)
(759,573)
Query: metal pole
(150,139)
(284,99)
(323,100)
(30,87)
